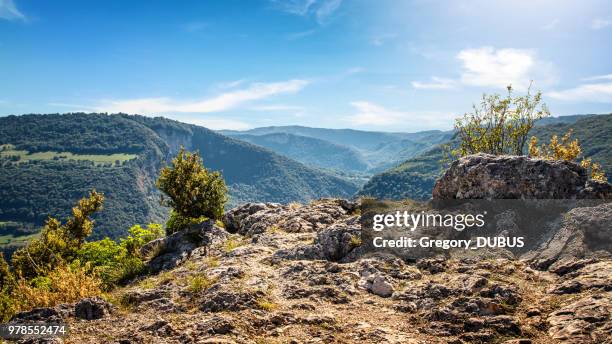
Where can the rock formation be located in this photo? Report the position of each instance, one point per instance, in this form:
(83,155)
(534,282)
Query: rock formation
(485,176)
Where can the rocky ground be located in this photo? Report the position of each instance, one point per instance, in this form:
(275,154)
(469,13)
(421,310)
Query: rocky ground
(272,283)
(298,274)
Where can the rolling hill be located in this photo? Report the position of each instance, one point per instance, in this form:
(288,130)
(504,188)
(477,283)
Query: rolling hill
(415,177)
(47,162)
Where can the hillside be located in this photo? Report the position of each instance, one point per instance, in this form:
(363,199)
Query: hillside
(378,150)
(50,161)
(310,151)
(414,177)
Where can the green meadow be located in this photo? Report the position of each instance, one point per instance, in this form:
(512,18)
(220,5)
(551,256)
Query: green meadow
(8,151)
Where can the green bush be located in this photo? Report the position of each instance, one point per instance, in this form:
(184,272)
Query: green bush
(499,125)
(138,236)
(57,244)
(177,222)
(192,191)
(115,262)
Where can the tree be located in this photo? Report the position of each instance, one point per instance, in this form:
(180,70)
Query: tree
(193,192)
(57,243)
(500,125)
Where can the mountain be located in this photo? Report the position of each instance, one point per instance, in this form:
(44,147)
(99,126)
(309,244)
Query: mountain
(414,178)
(378,150)
(310,151)
(47,162)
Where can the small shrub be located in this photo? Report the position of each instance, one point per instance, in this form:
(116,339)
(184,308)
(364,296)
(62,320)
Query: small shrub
(212,262)
(138,236)
(355,241)
(565,149)
(274,230)
(231,244)
(499,125)
(177,222)
(197,284)
(62,285)
(57,244)
(266,305)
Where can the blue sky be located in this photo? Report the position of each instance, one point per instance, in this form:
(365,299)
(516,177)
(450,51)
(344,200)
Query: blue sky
(373,65)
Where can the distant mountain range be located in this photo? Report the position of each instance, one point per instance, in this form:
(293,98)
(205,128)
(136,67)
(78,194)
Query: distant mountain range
(345,150)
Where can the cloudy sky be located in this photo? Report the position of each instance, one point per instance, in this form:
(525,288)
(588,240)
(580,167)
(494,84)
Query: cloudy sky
(374,65)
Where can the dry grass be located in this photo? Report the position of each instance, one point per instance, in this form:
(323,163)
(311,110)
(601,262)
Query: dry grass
(266,305)
(212,262)
(294,205)
(197,284)
(231,244)
(63,285)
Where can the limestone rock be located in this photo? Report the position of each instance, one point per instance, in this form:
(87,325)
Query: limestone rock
(92,308)
(587,320)
(170,251)
(485,176)
(583,232)
(379,285)
(45,314)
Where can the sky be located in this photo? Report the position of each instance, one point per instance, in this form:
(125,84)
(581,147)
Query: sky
(385,65)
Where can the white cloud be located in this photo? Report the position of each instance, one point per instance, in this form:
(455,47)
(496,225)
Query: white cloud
(490,67)
(593,92)
(436,83)
(373,115)
(321,10)
(599,23)
(9,11)
(222,102)
(598,77)
(231,84)
(297,7)
(498,68)
(326,10)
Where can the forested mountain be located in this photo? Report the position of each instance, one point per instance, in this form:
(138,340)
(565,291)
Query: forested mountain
(310,151)
(414,178)
(47,162)
(378,150)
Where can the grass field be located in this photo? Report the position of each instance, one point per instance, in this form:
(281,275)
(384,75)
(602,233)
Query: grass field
(7,151)
(9,239)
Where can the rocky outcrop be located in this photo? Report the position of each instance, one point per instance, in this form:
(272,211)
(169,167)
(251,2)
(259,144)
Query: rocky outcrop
(256,218)
(92,308)
(485,176)
(584,232)
(587,320)
(168,252)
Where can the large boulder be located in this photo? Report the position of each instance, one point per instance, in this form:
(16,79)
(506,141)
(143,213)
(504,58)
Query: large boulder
(92,308)
(485,176)
(170,251)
